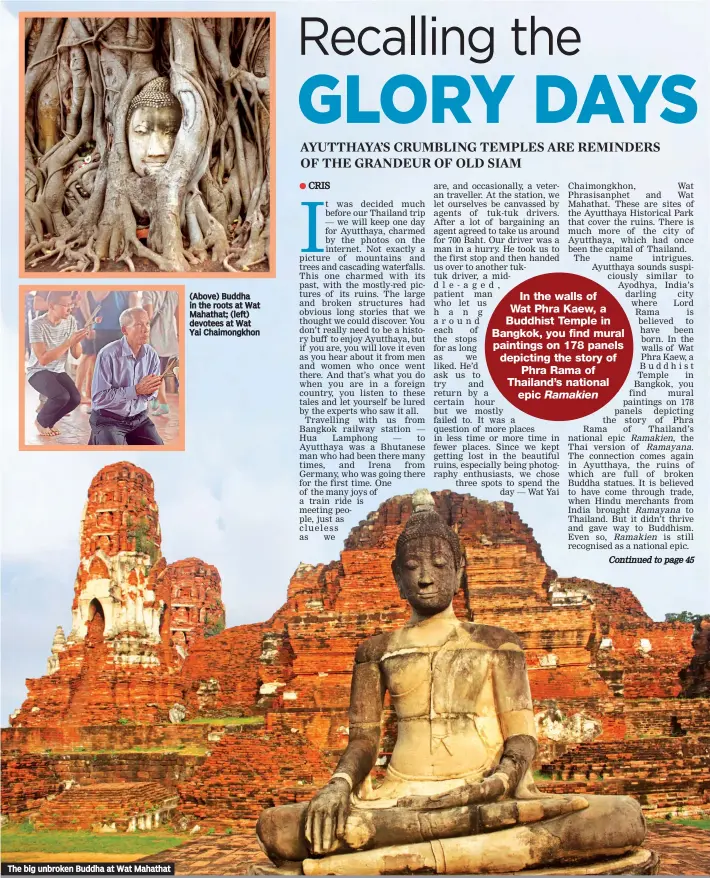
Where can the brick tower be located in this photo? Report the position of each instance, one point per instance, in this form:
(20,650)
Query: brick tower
(121,661)
(194,590)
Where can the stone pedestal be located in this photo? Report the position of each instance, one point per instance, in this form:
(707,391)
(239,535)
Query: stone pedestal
(638,862)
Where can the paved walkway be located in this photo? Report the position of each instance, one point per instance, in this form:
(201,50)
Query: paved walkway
(75,429)
(684,850)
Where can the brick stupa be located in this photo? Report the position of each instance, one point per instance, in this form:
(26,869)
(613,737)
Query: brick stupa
(134,617)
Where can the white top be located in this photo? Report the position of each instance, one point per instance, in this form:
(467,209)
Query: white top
(163,329)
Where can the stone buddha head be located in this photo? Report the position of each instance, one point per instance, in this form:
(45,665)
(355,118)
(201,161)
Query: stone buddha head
(429,564)
(154,117)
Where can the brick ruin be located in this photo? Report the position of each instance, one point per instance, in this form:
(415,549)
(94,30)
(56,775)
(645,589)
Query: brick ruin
(612,688)
(113,807)
(696,678)
(602,672)
(196,608)
(134,617)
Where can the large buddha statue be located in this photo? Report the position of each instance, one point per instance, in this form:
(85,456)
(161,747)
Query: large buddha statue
(458,795)
(154,117)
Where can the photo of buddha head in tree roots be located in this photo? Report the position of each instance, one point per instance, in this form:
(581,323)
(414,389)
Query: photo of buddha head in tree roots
(147,144)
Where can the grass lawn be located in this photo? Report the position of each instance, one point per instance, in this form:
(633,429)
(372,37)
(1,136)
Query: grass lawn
(226,720)
(182,749)
(699,823)
(22,839)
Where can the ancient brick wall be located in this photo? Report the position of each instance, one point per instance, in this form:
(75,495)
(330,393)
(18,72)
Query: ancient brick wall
(664,717)
(120,806)
(251,769)
(221,674)
(612,602)
(66,738)
(664,774)
(96,691)
(29,778)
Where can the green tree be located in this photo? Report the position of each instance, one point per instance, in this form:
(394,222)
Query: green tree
(688,617)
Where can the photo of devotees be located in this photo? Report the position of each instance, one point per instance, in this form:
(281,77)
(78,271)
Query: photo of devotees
(102,368)
(147,145)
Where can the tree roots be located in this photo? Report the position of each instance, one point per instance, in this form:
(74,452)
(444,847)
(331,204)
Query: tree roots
(84,202)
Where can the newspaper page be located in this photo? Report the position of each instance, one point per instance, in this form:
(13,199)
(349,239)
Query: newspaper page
(402,307)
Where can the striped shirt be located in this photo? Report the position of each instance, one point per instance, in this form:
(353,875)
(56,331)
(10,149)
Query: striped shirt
(52,335)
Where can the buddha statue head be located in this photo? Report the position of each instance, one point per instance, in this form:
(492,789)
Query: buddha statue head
(154,117)
(429,564)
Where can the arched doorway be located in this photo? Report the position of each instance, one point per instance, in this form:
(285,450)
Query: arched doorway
(83,706)
(96,624)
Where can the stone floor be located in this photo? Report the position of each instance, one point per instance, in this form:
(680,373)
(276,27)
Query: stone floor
(75,429)
(684,850)
(213,855)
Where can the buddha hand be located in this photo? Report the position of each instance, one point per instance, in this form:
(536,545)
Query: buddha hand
(489,790)
(326,816)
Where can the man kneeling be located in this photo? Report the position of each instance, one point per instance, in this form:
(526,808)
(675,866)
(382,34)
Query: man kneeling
(126,377)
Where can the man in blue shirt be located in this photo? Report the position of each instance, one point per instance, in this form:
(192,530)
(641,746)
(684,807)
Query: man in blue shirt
(126,377)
